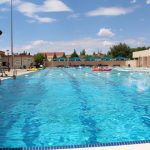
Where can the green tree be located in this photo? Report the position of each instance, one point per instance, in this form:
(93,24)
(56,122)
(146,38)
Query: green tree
(139,48)
(74,54)
(122,50)
(83,52)
(54,57)
(39,58)
(94,53)
(64,56)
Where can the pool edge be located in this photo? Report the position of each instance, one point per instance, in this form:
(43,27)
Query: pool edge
(80,146)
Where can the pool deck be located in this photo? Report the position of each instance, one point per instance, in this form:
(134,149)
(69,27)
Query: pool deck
(124,147)
(19,73)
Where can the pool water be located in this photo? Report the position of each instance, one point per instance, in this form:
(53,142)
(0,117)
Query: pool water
(72,106)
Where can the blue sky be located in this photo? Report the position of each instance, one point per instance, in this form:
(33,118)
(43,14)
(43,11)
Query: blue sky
(64,25)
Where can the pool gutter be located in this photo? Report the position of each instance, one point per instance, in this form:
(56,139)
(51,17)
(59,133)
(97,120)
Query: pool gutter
(145,145)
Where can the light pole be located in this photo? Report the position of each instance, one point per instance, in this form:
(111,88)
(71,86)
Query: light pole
(21,61)
(12,41)
(0,35)
(8,60)
(12,44)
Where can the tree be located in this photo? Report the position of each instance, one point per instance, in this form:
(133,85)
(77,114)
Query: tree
(122,50)
(139,48)
(54,57)
(83,52)
(39,58)
(64,56)
(74,54)
(94,53)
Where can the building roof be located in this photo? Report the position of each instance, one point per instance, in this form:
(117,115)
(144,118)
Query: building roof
(144,53)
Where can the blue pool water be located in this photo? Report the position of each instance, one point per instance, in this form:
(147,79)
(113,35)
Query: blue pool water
(68,106)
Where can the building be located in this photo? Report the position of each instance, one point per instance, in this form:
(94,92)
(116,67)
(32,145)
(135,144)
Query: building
(19,61)
(1,56)
(142,58)
(50,55)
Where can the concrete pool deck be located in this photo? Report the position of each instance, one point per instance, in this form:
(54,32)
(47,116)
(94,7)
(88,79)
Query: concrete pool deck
(124,147)
(19,73)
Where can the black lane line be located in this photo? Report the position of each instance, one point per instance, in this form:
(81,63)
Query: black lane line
(87,121)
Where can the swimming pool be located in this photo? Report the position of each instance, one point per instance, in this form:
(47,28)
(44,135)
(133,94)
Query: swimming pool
(73,106)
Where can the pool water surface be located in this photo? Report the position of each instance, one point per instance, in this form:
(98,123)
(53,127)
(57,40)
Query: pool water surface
(73,106)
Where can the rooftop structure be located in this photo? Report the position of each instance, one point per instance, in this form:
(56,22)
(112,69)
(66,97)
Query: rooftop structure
(142,57)
(20,61)
(50,55)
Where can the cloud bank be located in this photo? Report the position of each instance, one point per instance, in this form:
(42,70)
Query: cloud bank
(32,10)
(109,11)
(90,44)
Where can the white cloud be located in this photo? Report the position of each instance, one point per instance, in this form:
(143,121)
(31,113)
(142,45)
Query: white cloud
(147,1)
(4,1)
(47,6)
(54,6)
(27,8)
(105,32)
(109,11)
(133,1)
(89,44)
(15,2)
(43,19)
(32,10)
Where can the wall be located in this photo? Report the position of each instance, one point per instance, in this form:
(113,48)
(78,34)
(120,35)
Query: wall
(19,61)
(131,63)
(143,58)
(87,63)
